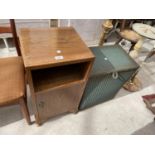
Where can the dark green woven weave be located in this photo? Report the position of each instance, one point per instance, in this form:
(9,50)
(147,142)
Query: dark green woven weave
(102,85)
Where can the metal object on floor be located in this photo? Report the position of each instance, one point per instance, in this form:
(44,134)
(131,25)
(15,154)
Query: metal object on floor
(111,70)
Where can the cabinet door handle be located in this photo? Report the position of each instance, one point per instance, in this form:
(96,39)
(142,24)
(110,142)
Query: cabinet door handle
(41,104)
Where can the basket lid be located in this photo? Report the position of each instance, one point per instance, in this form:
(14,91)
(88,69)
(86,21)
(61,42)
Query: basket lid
(111,59)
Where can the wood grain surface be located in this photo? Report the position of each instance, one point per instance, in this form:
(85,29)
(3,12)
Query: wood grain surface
(39,46)
(56,85)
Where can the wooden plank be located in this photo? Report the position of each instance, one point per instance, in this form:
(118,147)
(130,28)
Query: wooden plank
(4,29)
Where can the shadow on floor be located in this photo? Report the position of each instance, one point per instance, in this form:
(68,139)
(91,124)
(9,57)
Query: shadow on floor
(147,130)
(11,114)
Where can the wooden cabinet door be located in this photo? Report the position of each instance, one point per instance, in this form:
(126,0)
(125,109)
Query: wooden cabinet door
(59,100)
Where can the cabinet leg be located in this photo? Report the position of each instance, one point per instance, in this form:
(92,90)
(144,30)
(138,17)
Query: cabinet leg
(24,109)
(136,49)
(37,120)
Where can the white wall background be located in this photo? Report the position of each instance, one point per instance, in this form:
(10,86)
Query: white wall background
(88,29)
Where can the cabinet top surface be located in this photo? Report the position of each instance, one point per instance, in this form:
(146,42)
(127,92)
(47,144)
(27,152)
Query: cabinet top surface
(52,46)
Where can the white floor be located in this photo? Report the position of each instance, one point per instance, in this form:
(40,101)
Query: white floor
(123,115)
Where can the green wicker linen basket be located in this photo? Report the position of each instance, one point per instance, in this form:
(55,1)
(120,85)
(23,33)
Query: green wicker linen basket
(112,68)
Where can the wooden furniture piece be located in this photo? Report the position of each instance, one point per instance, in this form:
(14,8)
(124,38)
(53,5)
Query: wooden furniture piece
(4,29)
(9,32)
(15,37)
(13,87)
(129,35)
(145,31)
(134,84)
(110,27)
(57,64)
(107,26)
